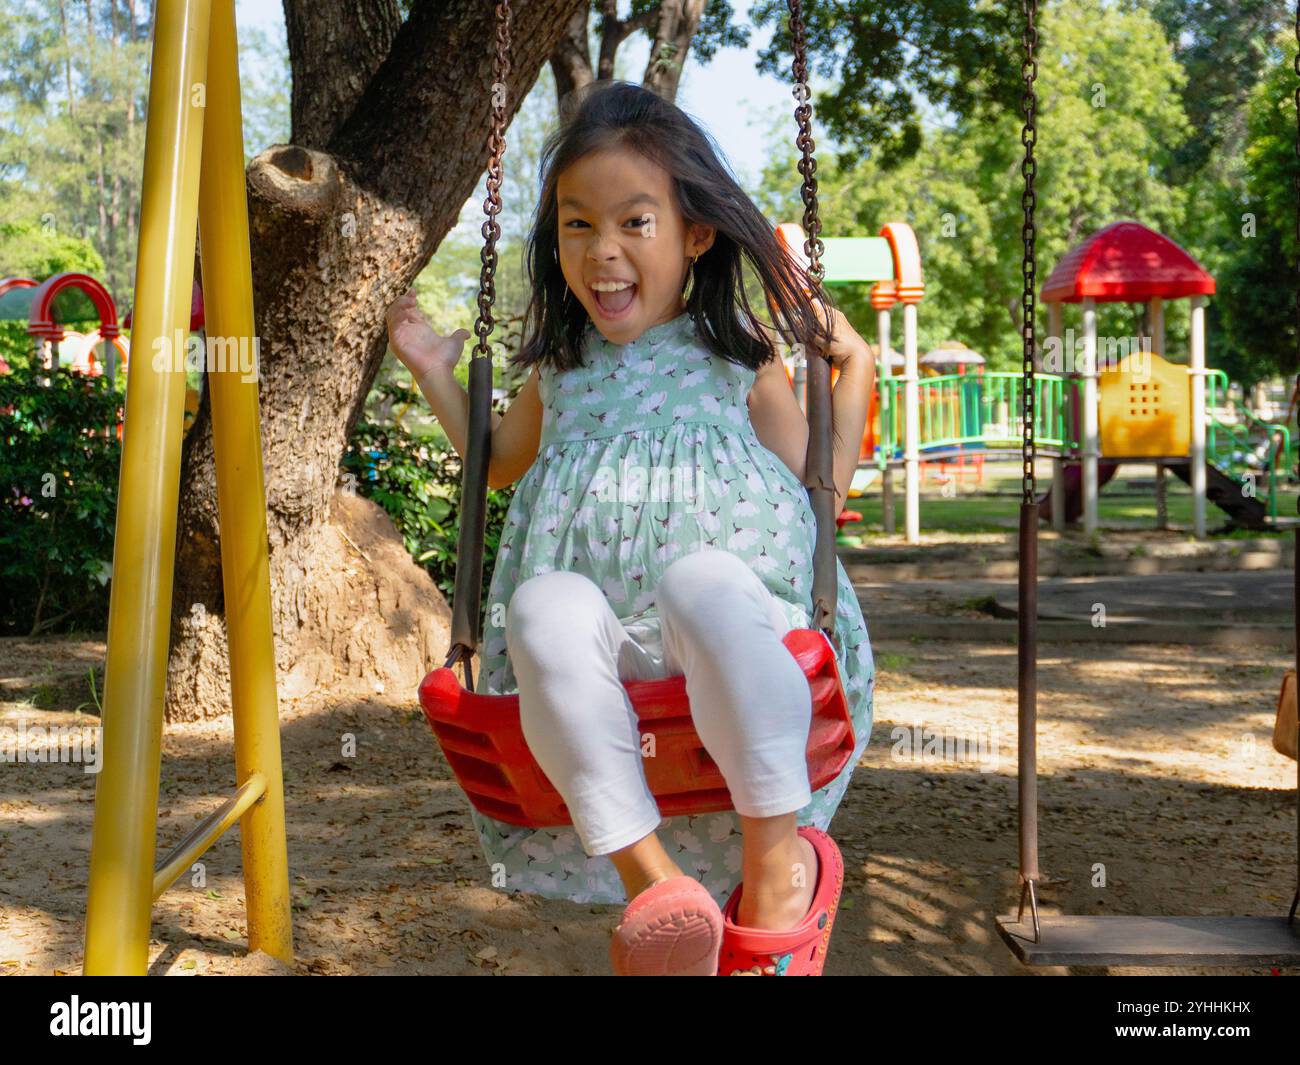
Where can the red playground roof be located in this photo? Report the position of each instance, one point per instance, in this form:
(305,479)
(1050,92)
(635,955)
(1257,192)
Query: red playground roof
(1126,263)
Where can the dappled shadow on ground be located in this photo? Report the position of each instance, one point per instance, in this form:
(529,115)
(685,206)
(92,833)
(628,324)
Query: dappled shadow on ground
(1156,770)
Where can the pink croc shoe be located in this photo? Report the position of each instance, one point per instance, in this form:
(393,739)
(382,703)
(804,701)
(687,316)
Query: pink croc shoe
(672,928)
(797,951)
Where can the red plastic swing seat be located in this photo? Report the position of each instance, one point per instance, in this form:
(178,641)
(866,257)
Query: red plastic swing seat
(484,744)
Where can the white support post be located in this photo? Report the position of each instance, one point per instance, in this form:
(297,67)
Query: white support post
(912,416)
(1196,371)
(886,421)
(1054,310)
(1090,441)
(1157,306)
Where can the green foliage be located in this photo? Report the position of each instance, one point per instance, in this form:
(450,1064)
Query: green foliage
(59,459)
(74,83)
(38,250)
(418,483)
(1102,136)
(1256,239)
(1223,47)
(15,344)
(888,56)
(73,88)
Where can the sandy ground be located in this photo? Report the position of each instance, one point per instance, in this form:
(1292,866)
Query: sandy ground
(1157,764)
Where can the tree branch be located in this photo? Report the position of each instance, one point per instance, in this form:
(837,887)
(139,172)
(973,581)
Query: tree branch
(434,91)
(335,47)
(571,59)
(674,29)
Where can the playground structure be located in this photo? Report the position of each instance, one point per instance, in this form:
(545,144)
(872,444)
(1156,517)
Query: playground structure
(1091,413)
(1137,404)
(49,336)
(52,342)
(954,357)
(891,264)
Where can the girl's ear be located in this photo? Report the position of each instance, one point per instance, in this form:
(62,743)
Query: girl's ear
(702,238)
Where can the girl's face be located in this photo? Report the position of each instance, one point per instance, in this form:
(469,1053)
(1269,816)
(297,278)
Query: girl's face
(620,230)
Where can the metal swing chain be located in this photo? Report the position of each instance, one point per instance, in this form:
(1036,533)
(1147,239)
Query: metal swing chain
(820,453)
(1027,555)
(492,205)
(1295,899)
(813,246)
(1029,264)
(467,598)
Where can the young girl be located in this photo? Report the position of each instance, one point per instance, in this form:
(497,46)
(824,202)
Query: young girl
(660,529)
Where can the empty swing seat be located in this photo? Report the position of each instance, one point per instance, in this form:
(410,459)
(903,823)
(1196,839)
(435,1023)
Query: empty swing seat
(484,744)
(1153,941)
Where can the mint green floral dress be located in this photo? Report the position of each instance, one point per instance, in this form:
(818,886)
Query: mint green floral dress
(662,403)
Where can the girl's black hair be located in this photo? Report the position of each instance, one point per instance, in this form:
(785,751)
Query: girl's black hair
(611,114)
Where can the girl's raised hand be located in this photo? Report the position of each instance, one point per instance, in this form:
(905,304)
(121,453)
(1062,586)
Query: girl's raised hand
(847,346)
(416,343)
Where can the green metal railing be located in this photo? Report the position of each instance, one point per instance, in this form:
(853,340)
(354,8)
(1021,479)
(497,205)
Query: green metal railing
(1232,447)
(983,409)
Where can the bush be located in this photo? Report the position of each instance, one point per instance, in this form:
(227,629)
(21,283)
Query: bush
(418,484)
(59,460)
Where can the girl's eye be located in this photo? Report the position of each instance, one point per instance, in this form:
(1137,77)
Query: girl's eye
(640,221)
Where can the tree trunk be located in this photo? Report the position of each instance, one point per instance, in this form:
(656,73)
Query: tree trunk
(678,21)
(670,27)
(397,141)
(571,60)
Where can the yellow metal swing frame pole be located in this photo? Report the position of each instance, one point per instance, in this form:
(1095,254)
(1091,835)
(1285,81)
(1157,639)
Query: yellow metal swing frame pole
(193,172)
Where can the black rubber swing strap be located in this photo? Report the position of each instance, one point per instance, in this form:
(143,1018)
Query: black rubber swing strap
(467,598)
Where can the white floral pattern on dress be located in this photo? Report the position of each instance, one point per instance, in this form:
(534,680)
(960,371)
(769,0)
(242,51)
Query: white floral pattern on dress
(663,402)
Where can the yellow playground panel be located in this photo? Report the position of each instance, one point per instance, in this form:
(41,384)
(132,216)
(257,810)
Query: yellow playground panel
(1145,408)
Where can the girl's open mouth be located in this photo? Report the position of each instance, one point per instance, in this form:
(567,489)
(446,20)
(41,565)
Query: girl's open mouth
(615,304)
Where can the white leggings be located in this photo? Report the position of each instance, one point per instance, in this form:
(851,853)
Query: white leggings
(722,629)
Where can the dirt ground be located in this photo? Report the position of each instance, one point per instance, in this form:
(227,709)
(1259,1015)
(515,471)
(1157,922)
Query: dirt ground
(1157,764)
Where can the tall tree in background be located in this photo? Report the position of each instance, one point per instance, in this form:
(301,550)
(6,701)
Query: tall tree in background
(1102,139)
(1224,48)
(890,59)
(674,28)
(73,129)
(1257,251)
(73,92)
